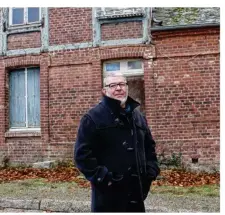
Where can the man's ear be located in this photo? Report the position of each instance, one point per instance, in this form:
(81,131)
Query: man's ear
(103,91)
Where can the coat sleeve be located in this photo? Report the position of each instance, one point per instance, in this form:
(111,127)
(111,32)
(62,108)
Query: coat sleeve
(152,167)
(84,156)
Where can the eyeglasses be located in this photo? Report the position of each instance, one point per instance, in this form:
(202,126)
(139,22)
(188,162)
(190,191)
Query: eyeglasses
(114,85)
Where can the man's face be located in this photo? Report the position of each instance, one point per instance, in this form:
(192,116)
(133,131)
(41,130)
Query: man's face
(116,88)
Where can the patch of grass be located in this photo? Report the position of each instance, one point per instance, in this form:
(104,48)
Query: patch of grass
(40,182)
(39,188)
(205,190)
(32,182)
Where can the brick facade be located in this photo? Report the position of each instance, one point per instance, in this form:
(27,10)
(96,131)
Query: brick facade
(187,94)
(61,31)
(180,87)
(21,41)
(121,31)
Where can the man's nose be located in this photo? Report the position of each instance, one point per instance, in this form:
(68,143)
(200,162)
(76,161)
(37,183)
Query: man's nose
(118,86)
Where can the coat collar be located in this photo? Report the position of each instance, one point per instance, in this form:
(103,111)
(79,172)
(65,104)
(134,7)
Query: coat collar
(114,105)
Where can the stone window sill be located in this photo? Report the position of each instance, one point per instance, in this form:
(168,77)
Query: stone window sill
(14,29)
(23,134)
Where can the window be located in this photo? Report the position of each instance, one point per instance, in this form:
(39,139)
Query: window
(128,67)
(24,98)
(24,15)
(112,66)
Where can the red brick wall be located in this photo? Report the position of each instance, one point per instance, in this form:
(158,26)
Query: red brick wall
(186,91)
(124,30)
(181,82)
(70,94)
(74,87)
(70,25)
(23,41)
(25,149)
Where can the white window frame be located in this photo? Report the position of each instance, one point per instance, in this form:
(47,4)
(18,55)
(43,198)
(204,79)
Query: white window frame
(25,17)
(124,67)
(26,128)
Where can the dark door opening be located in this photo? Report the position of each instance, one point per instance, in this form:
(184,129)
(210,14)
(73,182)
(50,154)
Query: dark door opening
(137,91)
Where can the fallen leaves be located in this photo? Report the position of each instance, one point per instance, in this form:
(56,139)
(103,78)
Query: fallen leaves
(184,179)
(67,174)
(53,175)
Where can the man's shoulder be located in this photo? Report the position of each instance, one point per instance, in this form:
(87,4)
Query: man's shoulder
(97,111)
(99,115)
(94,109)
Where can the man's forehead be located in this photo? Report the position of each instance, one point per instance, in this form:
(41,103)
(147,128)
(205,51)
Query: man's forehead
(115,79)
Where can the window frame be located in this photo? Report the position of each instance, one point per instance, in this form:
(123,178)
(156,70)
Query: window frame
(38,128)
(119,12)
(124,67)
(25,17)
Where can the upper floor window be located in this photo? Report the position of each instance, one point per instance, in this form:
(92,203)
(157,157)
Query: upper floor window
(24,15)
(127,67)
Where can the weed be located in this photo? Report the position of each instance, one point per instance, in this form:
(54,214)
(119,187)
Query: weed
(5,161)
(65,163)
(174,160)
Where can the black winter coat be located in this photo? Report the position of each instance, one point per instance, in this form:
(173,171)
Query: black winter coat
(114,145)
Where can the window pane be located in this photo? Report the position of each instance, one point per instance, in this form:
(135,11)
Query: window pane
(17,102)
(33,14)
(134,64)
(112,67)
(33,97)
(17,16)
